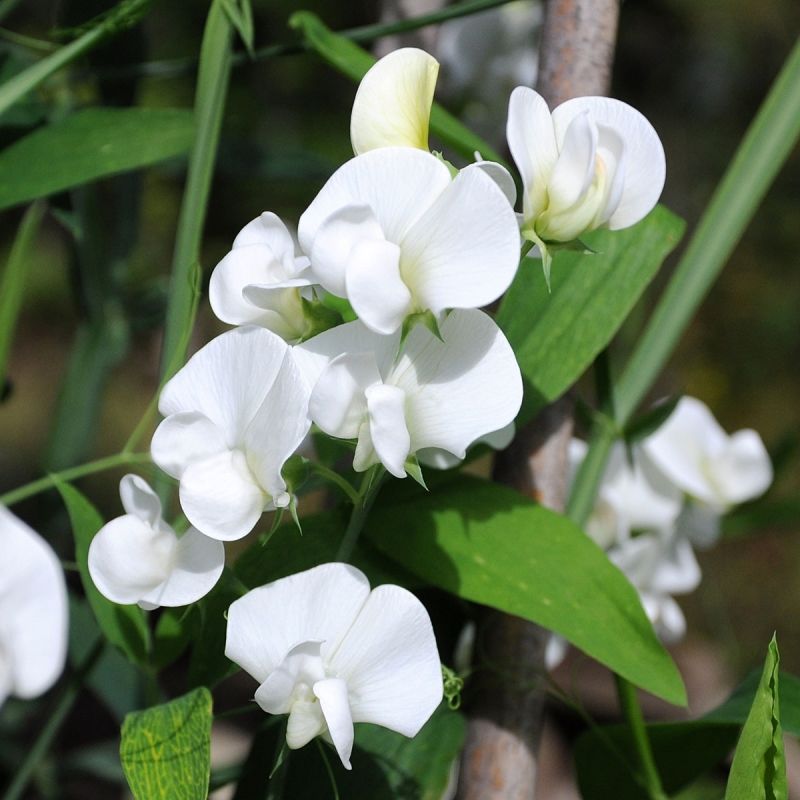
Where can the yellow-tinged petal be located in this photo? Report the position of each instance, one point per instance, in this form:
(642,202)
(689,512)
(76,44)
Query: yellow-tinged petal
(393,102)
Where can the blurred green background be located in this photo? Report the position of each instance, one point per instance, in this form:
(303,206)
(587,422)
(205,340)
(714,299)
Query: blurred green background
(698,71)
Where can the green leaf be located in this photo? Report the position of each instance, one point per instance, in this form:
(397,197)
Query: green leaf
(557,335)
(123,626)
(354,61)
(240,13)
(758,771)
(683,750)
(100,142)
(166,750)
(489,544)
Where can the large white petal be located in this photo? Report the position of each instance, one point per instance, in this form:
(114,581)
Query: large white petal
(460,389)
(220,496)
(574,170)
(227,379)
(313,355)
(532,142)
(335,240)
(398,183)
(318,605)
(332,696)
(197,563)
(387,422)
(129,559)
(183,439)
(390,662)
(678,571)
(139,499)
(278,429)
(338,405)
(744,470)
(267,229)
(374,286)
(685,447)
(33,610)
(464,252)
(645,165)
(500,175)
(392,106)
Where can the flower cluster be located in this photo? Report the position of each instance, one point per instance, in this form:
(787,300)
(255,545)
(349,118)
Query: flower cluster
(663,498)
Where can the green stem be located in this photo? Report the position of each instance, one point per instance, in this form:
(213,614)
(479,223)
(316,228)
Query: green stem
(42,744)
(212,89)
(71,474)
(358,516)
(336,479)
(123,16)
(633,715)
(13,282)
(763,151)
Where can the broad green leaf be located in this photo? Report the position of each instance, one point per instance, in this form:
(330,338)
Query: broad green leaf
(385,764)
(166,750)
(354,61)
(758,771)
(557,335)
(123,626)
(99,141)
(489,544)
(683,750)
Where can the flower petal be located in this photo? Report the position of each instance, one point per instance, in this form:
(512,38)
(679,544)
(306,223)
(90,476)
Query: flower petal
(532,141)
(305,722)
(387,423)
(464,252)
(744,471)
(302,663)
(460,389)
(198,561)
(398,183)
(338,405)
(267,229)
(390,662)
(220,496)
(317,605)
(33,607)
(574,170)
(183,439)
(393,103)
(645,165)
(129,559)
(278,429)
(332,696)
(139,499)
(374,286)
(500,175)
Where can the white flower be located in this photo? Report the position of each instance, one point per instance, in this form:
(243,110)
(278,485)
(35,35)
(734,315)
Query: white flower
(33,611)
(594,162)
(234,414)
(436,394)
(329,652)
(259,282)
(660,564)
(395,235)
(632,496)
(713,468)
(137,558)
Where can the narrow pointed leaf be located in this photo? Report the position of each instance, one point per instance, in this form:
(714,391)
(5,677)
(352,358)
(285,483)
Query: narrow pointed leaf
(489,544)
(166,750)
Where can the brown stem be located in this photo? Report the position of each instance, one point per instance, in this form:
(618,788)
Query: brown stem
(500,756)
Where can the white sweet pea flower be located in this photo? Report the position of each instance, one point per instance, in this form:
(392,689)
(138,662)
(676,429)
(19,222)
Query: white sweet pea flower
(261,280)
(717,470)
(660,564)
(632,496)
(329,652)
(436,394)
(594,162)
(137,558)
(395,235)
(33,611)
(234,414)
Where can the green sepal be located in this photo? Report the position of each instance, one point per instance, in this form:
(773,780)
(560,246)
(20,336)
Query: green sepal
(294,515)
(452,169)
(426,318)
(414,471)
(319,317)
(338,304)
(296,472)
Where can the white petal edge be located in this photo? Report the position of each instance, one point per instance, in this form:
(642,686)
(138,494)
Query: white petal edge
(332,696)
(139,499)
(387,423)
(183,439)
